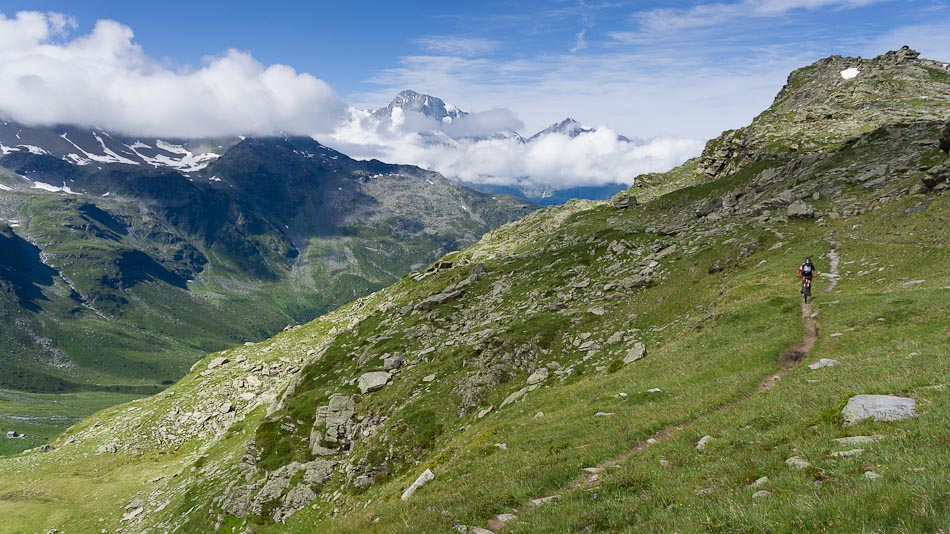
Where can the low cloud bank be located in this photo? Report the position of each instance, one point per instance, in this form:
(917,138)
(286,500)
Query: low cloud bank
(484,155)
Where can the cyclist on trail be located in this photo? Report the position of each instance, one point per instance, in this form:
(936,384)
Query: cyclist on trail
(806,271)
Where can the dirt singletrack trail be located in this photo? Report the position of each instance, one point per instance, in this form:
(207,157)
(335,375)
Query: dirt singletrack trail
(789,358)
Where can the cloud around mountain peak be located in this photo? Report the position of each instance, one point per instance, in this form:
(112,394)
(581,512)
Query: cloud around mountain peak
(50,75)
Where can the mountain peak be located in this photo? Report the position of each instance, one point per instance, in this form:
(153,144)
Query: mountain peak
(568,127)
(430,106)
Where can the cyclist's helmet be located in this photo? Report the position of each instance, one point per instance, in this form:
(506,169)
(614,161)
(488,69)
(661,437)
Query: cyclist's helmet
(807,261)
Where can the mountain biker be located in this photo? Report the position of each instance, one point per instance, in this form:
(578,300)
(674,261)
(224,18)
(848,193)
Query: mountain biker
(806,270)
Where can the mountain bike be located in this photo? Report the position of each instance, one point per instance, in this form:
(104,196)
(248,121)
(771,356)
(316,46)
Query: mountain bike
(806,287)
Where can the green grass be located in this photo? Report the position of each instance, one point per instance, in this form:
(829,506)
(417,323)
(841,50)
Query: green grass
(711,339)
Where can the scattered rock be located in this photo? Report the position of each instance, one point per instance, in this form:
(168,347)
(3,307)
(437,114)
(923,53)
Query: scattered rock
(539,415)
(538,376)
(761,494)
(483,413)
(801,210)
(393,362)
(705,440)
(217,362)
(625,202)
(871,475)
(505,518)
(544,500)
(428,378)
(824,362)
(879,408)
(798,462)
(502,446)
(759,483)
(373,381)
(654,390)
(426,476)
(637,280)
(636,352)
(603,414)
(847,454)
(226,407)
(858,440)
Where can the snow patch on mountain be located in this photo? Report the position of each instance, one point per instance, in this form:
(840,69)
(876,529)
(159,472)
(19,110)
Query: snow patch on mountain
(54,189)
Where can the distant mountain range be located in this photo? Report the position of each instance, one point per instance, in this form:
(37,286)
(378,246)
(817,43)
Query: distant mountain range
(124,258)
(446,115)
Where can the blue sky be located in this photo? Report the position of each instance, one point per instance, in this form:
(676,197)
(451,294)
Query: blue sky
(480,55)
(674,72)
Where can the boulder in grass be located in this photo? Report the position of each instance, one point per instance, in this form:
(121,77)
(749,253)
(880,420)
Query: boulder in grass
(879,408)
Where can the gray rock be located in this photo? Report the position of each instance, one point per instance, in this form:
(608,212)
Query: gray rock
(373,381)
(798,462)
(217,362)
(871,475)
(879,408)
(538,376)
(296,499)
(625,202)
(516,396)
(858,440)
(703,442)
(636,280)
(337,417)
(759,483)
(318,471)
(801,210)
(428,378)
(847,454)
(426,476)
(393,362)
(761,494)
(225,407)
(636,352)
(824,362)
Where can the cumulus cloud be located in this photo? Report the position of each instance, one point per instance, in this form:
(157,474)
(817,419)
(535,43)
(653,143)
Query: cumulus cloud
(48,75)
(483,154)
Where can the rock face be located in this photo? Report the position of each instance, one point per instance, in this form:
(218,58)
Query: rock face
(336,416)
(373,381)
(879,408)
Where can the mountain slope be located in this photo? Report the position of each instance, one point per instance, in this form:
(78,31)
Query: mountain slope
(161,266)
(565,341)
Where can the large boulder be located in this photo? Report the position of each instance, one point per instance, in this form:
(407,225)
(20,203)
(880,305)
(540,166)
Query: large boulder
(372,381)
(879,408)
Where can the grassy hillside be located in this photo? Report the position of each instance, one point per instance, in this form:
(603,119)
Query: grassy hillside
(559,374)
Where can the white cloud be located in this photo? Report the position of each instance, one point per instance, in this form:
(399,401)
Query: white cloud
(557,160)
(581,43)
(104,79)
(453,45)
(715,13)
